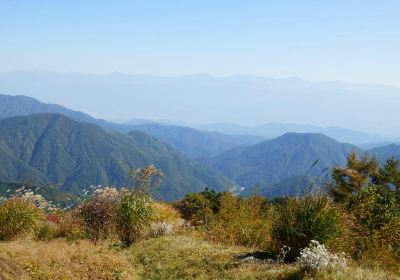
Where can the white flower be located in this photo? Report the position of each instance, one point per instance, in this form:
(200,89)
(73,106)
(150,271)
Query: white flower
(316,257)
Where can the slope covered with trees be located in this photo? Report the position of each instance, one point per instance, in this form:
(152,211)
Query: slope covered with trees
(196,143)
(284,165)
(53,149)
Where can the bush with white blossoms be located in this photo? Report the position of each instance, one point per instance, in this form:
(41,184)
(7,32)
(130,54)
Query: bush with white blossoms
(30,195)
(160,229)
(316,257)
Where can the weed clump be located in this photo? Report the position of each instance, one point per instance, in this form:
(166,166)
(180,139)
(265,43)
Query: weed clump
(302,219)
(18,217)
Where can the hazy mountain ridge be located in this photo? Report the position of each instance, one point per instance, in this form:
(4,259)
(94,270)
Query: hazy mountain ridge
(194,143)
(273,130)
(203,98)
(289,158)
(385,152)
(21,105)
(53,149)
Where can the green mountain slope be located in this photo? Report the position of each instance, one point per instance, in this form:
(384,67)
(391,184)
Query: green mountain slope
(53,149)
(385,152)
(195,143)
(284,165)
(21,105)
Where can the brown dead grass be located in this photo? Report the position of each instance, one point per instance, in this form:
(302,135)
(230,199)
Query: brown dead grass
(179,256)
(59,259)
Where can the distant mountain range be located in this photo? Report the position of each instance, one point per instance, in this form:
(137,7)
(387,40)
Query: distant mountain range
(241,99)
(69,150)
(272,130)
(197,144)
(190,142)
(20,105)
(284,164)
(385,152)
(53,149)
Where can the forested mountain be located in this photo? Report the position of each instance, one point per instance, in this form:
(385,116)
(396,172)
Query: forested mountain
(273,130)
(385,152)
(282,165)
(241,99)
(53,149)
(195,143)
(21,105)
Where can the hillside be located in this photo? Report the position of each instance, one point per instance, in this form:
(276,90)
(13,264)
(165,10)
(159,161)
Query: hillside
(284,165)
(273,130)
(20,105)
(53,149)
(195,143)
(385,152)
(242,99)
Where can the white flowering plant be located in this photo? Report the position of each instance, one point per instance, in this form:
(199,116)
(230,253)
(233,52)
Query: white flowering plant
(316,257)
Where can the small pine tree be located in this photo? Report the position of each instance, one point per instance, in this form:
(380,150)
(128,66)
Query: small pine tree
(354,177)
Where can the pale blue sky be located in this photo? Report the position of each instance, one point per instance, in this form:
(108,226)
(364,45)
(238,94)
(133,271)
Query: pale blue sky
(349,40)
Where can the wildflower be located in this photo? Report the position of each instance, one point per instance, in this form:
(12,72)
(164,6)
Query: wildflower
(316,257)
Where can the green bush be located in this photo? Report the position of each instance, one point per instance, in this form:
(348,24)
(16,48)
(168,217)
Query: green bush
(18,216)
(133,215)
(377,211)
(242,221)
(302,219)
(46,231)
(198,208)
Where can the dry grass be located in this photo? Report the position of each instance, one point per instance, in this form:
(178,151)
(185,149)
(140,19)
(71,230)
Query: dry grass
(179,256)
(164,212)
(59,259)
(354,273)
(189,257)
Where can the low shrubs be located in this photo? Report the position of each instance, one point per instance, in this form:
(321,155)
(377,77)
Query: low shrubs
(242,221)
(302,219)
(133,215)
(18,217)
(198,208)
(166,219)
(164,212)
(98,213)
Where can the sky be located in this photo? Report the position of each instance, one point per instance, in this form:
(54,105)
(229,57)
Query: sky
(354,41)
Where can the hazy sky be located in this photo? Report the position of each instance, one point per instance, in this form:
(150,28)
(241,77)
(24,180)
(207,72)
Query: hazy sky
(349,40)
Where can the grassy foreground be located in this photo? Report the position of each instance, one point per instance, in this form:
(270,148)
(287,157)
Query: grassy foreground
(177,256)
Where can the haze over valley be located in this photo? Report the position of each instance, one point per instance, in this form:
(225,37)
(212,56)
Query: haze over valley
(200,140)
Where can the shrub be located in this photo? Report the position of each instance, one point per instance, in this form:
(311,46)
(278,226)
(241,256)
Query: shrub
(71,226)
(18,216)
(133,215)
(377,210)
(159,229)
(302,219)
(164,221)
(98,213)
(198,208)
(164,212)
(316,257)
(241,222)
(46,230)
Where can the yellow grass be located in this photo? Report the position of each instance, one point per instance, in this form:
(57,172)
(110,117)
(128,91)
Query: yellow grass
(59,259)
(178,256)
